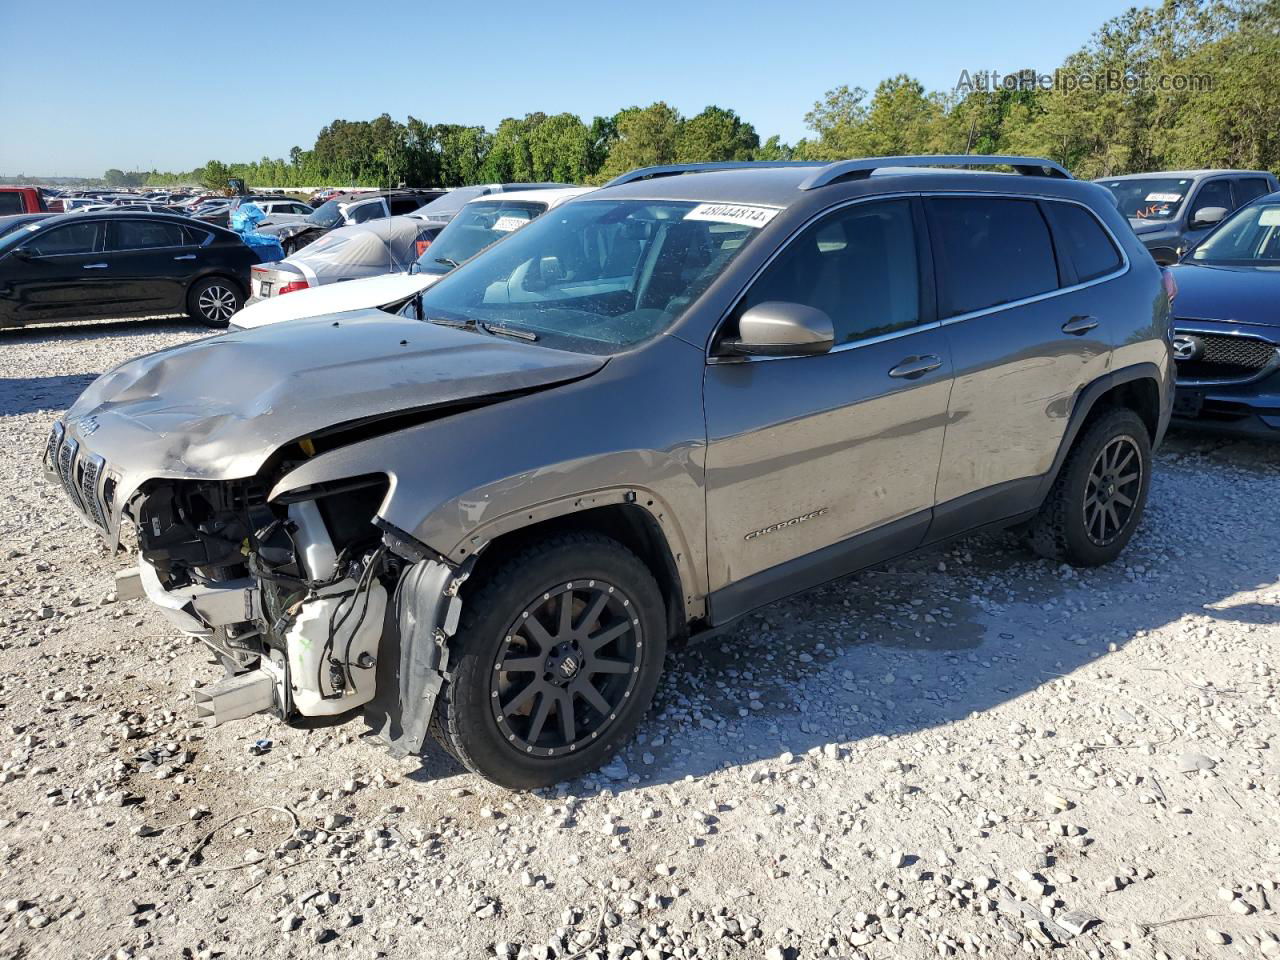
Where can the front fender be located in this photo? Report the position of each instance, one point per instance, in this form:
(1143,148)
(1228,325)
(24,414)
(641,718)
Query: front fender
(633,433)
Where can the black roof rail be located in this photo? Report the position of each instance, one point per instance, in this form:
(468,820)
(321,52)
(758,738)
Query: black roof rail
(862,168)
(673,169)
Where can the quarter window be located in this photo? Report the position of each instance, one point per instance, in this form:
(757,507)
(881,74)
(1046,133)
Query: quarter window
(366,211)
(858,265)
(989,251)
(145,235)
(70,239)
(1251,188)
(1083,240)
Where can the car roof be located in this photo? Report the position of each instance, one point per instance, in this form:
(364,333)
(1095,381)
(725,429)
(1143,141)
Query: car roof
(793,184)
(1180,174)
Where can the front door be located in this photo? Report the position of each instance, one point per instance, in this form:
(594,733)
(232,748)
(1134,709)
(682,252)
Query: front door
(817,465)
(55,274)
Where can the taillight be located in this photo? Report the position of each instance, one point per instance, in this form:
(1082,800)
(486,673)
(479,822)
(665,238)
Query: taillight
(292,287)
(1170,283)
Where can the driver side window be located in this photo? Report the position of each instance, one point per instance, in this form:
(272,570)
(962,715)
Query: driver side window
(73,238)
(857,265)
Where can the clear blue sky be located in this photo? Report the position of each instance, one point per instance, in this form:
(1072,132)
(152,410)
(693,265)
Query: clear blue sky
(172,85)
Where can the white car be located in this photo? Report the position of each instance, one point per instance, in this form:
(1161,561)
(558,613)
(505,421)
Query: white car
(481,223)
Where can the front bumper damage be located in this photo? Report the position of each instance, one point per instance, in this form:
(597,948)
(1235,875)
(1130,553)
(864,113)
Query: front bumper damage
(369,632)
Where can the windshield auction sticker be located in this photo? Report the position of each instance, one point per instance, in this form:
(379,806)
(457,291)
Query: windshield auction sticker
(507,224)
(1163,197)
(737,213)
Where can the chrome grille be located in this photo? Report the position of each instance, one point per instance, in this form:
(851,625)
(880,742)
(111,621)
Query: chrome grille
(90,475)
(66,465)
(83,476)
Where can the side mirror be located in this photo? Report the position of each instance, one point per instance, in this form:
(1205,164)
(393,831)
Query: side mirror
(23,253)
(1207,217)
(1164,256)
(780,329)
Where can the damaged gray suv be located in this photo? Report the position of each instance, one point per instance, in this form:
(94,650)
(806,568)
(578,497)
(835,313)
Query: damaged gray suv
(688,394)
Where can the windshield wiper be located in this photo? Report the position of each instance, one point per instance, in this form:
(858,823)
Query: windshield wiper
(501,331)
(447,262)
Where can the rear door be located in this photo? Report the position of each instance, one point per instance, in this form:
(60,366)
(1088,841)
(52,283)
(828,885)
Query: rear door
(1023,347)
(152,262)
(805,454)
(58,273)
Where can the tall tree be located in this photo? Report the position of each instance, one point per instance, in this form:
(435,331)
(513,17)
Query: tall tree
(715,134)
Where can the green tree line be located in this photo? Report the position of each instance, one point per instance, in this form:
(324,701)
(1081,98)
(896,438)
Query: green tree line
(1209,96)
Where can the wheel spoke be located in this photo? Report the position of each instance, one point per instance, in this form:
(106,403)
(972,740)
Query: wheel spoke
(594,697)
(1127,479)
(538,633)
(1129,453)
(521,699)
(592,613)
(540,717)
(566,615)
(1114,517)
(564,710)
(1123,500)
(523,665)
(607,665)
(592,644)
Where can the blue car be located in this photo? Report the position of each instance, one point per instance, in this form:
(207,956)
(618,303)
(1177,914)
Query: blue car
(1226,330)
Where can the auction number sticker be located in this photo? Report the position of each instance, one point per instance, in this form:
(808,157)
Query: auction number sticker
(744,215)
(507,224)
(1163,197)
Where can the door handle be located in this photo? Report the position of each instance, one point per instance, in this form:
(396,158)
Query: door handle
(186,256)
(1079,325)
(913,367)
(95,266)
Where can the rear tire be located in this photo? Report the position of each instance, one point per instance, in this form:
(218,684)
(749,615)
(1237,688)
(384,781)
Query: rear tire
(1097,499)
(512,726)
(213,301)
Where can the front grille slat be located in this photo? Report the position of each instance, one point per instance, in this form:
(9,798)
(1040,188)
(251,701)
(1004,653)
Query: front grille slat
(83,475)
(1225,358)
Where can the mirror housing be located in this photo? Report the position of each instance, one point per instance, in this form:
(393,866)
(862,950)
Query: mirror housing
(780,329)
(1164,256)
(1207,217)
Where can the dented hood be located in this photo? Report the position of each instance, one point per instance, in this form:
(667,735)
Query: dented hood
(219,407)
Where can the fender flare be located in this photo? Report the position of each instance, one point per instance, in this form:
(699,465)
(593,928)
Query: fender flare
(1085,402)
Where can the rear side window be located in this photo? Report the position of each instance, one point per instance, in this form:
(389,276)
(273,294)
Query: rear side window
(1082,239)
(10,202)
(366,211)
(145,234)
(71,238)
(857,265)
(1251,188)
(195,237)
(989,251)
(401,205)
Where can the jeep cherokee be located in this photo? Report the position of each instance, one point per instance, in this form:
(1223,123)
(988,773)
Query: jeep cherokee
(659,406)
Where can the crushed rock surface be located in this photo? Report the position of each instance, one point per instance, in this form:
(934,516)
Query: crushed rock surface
(973,751)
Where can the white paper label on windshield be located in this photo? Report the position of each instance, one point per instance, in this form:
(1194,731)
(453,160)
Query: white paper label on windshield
(1269,217)
(1163,197)
(507,224)
(743,215)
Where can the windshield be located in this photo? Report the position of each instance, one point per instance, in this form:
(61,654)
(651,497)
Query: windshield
(326,215)
(596,276)
(480,224)
(443,208)
(1149,198)
(1249,238)
(18,234)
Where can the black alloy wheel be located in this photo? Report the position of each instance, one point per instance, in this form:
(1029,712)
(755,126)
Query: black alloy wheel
(1112,490)
(567,664)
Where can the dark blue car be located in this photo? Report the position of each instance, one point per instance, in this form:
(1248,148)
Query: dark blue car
(1226,330)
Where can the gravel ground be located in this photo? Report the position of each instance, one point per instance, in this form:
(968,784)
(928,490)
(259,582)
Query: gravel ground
(972,751)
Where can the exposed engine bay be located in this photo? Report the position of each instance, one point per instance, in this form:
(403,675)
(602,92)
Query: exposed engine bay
(292,596)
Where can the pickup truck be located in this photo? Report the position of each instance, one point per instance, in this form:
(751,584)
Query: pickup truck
(22,200)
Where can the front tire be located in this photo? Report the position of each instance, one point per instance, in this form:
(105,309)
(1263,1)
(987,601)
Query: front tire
(558,655)
(213,301)
(1098,497)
